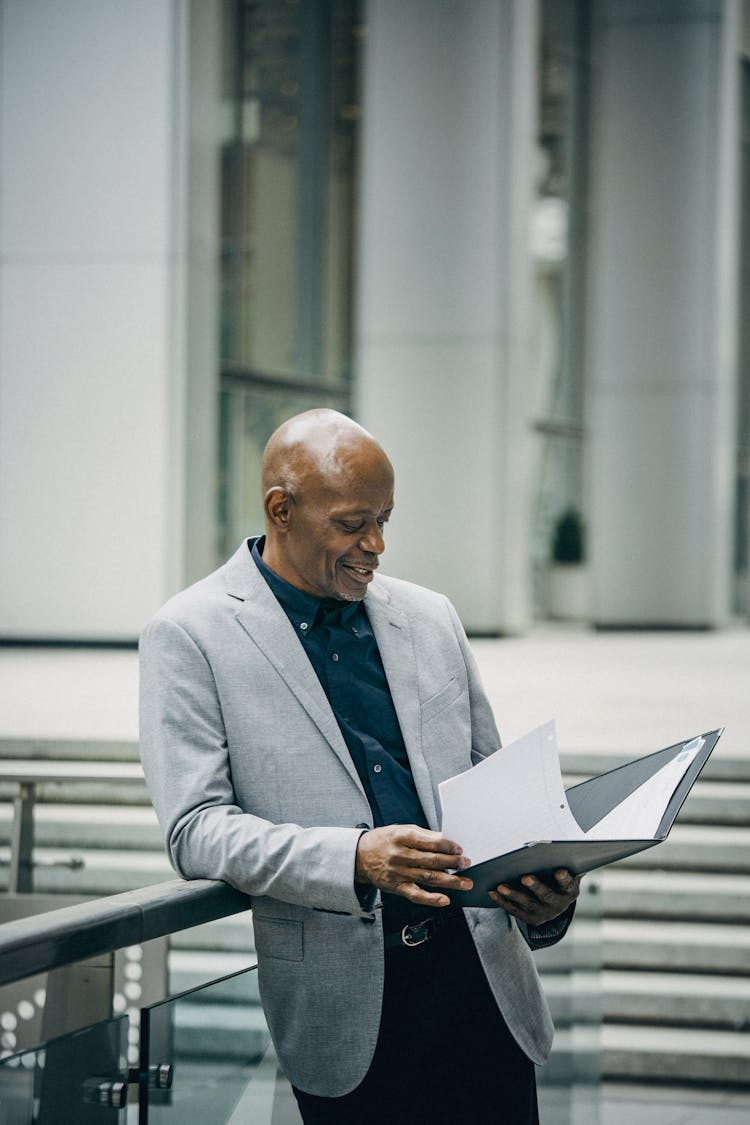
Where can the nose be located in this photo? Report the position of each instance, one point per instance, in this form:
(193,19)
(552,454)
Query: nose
(372,541)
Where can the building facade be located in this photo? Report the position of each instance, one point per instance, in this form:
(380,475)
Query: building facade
(511,237)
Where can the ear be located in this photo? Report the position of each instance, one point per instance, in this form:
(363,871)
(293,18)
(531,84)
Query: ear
(277,504)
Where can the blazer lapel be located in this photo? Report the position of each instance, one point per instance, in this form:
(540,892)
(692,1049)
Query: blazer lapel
(393,634)
(269,628)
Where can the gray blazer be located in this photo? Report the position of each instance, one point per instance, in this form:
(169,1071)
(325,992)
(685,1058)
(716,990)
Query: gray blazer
(253,784)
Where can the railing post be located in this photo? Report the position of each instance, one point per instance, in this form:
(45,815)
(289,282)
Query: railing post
(20,875)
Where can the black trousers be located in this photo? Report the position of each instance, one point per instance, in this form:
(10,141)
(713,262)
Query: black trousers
(444,1054)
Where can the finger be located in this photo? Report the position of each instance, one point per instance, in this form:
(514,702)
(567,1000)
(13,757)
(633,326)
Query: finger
(514,899)
(539,890)
(421,896)
(558,897)
(568,884)
(424,840)
(443,879)
(433,861)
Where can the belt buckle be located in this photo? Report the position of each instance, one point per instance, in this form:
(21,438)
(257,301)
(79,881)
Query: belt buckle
(418,932)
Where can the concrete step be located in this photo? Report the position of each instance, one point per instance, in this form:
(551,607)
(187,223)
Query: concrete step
(670,895)
(226,935)
(191,970)
(621,943)
(219,1031)
(92,872)
(698,848)
(660,998)
(70,749)
(106,793)
(684,1054)
(641,1053)
(90,826)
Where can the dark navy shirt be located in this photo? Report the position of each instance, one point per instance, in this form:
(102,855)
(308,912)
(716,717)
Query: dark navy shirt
(340,644)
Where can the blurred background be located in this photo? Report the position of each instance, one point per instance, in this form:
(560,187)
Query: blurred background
(511,237)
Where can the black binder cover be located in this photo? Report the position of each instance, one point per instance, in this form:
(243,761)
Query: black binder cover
(589,802)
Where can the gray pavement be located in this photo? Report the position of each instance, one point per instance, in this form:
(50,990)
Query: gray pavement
(621,692)
(628,692)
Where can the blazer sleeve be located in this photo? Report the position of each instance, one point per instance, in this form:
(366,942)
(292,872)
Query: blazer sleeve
(184,753)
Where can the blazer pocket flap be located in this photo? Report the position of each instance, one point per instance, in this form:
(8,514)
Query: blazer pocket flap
(437,703)
(279,937)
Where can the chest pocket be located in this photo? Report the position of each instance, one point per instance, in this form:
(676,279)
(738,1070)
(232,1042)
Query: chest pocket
(442,699)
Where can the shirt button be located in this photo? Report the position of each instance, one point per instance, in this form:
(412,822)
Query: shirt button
(377,767)
(335,656)
(303,626)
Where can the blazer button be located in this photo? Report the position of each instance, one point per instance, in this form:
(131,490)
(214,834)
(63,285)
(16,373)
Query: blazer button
(368,921)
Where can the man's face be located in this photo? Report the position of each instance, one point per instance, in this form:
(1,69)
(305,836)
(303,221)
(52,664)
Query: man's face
(336,527)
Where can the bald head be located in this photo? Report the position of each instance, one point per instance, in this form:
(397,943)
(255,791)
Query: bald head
(327,493)
(318,443)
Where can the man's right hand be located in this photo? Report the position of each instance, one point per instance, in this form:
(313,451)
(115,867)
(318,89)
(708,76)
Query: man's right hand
(402,858)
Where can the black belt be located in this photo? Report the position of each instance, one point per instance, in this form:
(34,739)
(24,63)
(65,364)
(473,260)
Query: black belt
(417,933)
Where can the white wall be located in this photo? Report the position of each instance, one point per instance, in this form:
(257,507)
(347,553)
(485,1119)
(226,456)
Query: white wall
(443,344)
(94,278)
(663,310)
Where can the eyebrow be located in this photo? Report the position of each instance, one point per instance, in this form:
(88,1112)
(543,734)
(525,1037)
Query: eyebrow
(350,512)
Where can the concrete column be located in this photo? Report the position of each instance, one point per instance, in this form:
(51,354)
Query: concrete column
(663,302)
(107,344)
(444,281)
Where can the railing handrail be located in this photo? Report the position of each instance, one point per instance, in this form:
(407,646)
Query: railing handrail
(61,937)
(31,771)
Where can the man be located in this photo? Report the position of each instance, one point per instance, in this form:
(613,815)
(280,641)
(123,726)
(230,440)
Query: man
(298,712)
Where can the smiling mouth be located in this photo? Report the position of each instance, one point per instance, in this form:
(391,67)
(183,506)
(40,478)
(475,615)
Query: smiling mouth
(359,571)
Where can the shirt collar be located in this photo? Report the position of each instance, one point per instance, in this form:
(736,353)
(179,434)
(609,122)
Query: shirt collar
(299,606)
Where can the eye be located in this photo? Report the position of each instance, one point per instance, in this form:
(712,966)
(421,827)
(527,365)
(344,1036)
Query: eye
(350,528)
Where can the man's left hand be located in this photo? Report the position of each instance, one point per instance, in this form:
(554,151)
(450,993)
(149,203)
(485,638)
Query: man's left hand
(534,901)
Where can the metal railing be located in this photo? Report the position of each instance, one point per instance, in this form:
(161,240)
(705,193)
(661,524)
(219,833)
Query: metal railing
(75,933)
(85,1054)
(25,776)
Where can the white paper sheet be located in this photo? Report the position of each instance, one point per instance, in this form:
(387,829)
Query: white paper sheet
(637,817)
(513,798)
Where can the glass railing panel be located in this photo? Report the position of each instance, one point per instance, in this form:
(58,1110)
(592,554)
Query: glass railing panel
(215,1044)
(80,1078)
(570,1083)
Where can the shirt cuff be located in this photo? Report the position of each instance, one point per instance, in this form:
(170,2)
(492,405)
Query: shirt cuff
(539,937)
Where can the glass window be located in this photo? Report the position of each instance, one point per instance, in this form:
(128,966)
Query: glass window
(291,106)
(559,252)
